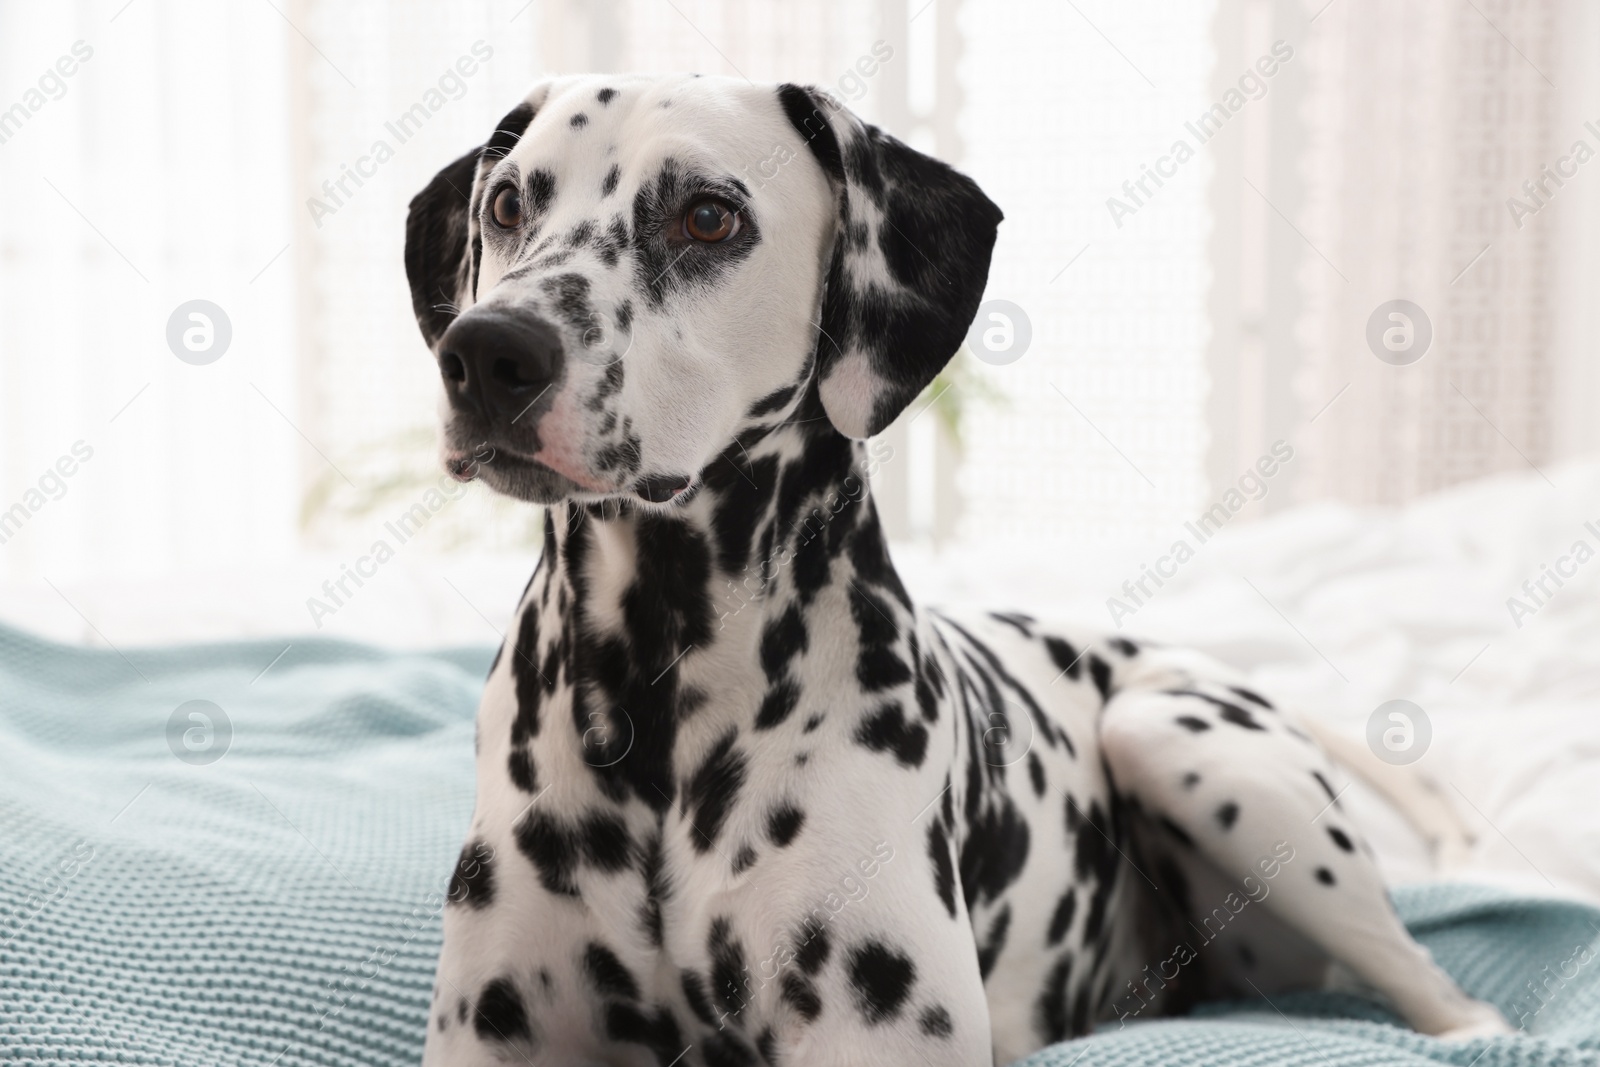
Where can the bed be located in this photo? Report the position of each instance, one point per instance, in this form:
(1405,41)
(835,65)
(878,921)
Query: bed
(262,886)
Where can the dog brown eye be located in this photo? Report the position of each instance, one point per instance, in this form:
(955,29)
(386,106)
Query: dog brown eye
(507,207)
(710,221)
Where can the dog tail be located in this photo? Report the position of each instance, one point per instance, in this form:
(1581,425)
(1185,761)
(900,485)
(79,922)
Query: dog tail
(1417,796)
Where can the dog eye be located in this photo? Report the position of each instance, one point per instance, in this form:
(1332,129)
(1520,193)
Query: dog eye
(507,207)
(710,221)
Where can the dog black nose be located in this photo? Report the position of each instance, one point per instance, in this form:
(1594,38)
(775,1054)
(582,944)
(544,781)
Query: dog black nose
(498,361)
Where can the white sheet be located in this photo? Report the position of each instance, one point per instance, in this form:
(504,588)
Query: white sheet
(1332,608)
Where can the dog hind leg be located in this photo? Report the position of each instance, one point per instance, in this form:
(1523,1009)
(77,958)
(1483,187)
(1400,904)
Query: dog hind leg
(1229,777)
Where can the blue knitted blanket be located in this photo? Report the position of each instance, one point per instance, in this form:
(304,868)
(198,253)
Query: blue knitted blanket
(237,854)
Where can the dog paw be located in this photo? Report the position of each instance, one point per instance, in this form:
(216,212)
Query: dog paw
(1486,1021)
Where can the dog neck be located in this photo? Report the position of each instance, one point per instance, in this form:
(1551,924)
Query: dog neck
(653,616)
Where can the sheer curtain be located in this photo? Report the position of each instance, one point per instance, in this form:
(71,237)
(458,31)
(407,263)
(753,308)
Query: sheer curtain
(1178,326)
(154,173)
(1387,170)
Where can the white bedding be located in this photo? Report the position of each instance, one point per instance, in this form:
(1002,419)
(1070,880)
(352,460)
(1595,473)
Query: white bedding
(1332,608)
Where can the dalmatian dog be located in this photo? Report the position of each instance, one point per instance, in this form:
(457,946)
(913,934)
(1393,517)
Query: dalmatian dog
(740,799)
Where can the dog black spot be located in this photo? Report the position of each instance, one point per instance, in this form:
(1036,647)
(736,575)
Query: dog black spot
(772,402)
(501,1015)
(728,1050)
(1100,671)
(472,882)
(1061,918)
(783,638)
(1064,656)
(694,991)
(461,1010)
(1325,876)
(777,705)
(878,666)
(712,790)
(935,1022)
(556,847)
(604,842)
(1036,773)
(1023,624)
(812,722)
(1228,814)
(815,947)
(569,294)
(550,849)
(801,995)
(605,96)
(881,979)
(1326,786)
(783,822)
(578,237)
(519,765)
(994,853)
(944,874)
(627,1022)
(1253,697)
(744,859)
(990,948)
(742,497)
(657,889)
(1190,780)
(1192,724)
(578,121)
(887,730)
(541,192)
(727,966)
(1123,645)
(1240,717)
(1341,839)
(531,684)
(608,974)
(1050,1010)
(927,702)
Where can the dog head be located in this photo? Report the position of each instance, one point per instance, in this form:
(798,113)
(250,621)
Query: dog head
(633,273)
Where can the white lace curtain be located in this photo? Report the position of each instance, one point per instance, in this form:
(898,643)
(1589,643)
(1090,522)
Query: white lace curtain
(1387,170)
(181,159)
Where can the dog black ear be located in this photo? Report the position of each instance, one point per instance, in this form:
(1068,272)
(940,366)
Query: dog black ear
(910,260)
(443,245)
